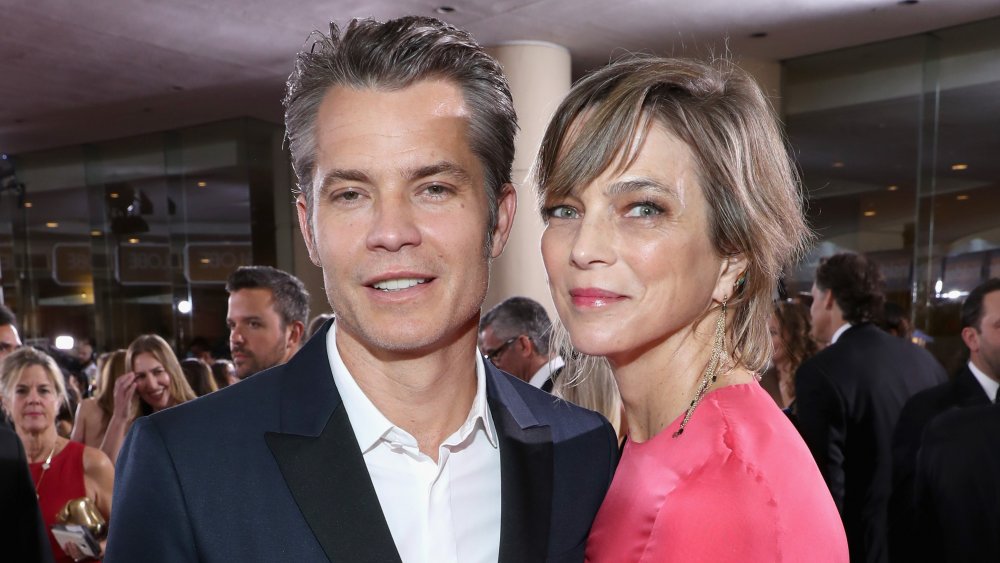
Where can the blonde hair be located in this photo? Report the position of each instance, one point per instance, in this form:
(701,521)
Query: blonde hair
(114,366)
(755,204)
(13,366)
(164,354)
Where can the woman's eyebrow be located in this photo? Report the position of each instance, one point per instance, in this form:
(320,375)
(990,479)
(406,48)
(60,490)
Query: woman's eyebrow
(639,184)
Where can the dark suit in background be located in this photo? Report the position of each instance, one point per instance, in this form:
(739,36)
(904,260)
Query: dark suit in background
(962,391)
(270,470)
(22,533)
(849,397)
(957,487)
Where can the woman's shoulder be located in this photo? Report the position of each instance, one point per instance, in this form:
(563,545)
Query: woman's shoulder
(95,460)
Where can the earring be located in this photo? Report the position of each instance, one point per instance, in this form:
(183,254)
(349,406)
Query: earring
(711,374)
(740,282)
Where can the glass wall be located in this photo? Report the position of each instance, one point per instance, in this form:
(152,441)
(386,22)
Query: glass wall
(898,144)
(115,239)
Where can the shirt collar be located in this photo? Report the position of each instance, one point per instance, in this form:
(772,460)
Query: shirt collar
(544,372)
(988,384)
(836,335)
(371,426)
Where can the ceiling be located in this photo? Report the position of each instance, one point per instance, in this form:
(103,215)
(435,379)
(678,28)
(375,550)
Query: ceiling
(75,72)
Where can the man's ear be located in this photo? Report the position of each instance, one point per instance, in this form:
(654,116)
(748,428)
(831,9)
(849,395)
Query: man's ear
(296,333)
(732,270)
(507,207)
(305,227)
(971,338)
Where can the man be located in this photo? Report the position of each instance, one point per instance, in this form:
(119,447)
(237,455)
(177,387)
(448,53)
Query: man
(268,311)
(850,394)
(957,491)
(514,335)
(387,437)
(22,531)
(975,384)
(9,341)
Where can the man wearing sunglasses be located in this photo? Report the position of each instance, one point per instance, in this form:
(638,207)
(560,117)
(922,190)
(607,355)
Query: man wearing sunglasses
(514,336)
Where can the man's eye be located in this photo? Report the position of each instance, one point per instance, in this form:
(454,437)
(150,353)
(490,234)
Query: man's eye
(347,195)
(562,212)
(436,190)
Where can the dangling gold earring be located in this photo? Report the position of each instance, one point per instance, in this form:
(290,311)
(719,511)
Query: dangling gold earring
(711,374)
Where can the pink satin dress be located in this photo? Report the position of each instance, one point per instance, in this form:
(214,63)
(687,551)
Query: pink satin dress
(738,485)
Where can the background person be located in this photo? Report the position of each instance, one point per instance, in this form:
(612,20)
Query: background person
(268,311)
(662,256)
(199,376)
(224,373)
(93,415)
(514,335)
(791,345)
(850,394)
(154,382)
(62,470)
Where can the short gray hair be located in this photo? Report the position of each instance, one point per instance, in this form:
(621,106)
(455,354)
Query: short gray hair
(520,315)
(391,56)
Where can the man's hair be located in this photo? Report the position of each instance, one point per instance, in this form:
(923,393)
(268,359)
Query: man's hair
(291,299)
(520,315)
(391,56)
(972,308)
(856,284)
(7,317)
(744,171)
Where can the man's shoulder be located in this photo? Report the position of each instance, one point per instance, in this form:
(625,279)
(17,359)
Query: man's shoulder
(551,410)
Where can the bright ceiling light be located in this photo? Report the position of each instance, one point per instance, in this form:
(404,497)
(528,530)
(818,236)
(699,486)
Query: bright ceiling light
(64,342)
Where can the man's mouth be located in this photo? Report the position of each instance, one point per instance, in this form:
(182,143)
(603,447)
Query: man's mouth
(399,284)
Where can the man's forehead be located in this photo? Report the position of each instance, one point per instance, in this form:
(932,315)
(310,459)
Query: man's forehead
(9,334)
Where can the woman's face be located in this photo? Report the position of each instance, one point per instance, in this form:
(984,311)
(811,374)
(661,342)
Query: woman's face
(628,256)
(779,353)
(36,400)
(152,381)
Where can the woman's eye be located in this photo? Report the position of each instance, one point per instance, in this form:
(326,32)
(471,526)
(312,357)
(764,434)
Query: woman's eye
(561,212)
(644,209)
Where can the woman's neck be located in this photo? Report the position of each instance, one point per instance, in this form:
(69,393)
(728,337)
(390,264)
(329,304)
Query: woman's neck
(39,445)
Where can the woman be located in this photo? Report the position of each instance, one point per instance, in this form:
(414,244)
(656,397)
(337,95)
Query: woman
(199,376)
(788,327)
(93,414)
(155,382)
(671,207)
(224,373)
(62,470)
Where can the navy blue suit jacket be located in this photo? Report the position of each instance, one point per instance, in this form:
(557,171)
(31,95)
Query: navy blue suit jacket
(270,470)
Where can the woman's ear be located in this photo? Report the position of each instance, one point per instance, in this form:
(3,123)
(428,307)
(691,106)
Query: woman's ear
(732,276)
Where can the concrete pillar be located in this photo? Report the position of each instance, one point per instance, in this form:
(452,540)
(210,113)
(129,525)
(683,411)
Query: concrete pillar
(539,74)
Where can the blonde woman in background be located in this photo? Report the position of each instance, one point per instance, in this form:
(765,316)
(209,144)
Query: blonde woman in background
(62,470)
(154,382)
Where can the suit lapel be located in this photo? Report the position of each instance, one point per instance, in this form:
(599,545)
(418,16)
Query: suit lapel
(526,473)
(968,391)
(321,462)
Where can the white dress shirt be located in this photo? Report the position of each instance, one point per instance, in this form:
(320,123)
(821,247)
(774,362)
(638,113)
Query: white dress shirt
(989,384)
(443,512)
(836,335)
(544,372)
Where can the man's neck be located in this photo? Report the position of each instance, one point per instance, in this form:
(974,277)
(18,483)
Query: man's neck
(428,396)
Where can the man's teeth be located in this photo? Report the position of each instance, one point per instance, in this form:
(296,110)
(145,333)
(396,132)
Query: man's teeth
(396,285)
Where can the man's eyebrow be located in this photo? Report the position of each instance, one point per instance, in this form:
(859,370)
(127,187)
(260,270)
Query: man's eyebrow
(343,175)
(640,184)
(439,168)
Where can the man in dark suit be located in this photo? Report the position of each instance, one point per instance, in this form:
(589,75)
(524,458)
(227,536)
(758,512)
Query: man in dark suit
(386,437)
(850,394)
(957,491)
(514,335)
(974,385)
(22,533)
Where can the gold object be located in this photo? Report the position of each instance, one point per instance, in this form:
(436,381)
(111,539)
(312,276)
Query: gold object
(711,374)
(83,511)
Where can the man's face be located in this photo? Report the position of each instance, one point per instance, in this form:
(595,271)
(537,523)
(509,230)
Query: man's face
(399,217)
(820,314)
(505,353)
(984,344)
(9,340)
(257,339)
